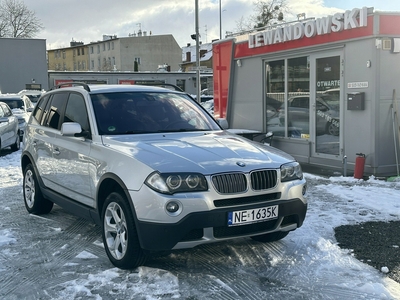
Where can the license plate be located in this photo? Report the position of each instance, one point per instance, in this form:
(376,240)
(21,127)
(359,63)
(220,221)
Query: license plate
(242,217)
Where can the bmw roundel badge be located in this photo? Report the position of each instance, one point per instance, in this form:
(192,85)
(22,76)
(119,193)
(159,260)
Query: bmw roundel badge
(241,164)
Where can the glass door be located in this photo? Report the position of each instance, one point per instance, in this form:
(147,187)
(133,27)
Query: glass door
(327,105)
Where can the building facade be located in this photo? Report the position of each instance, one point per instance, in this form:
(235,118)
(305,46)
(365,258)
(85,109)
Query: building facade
(23,64)
(73,58)
(189,58)
(185,80)
(139,53)
(325,87)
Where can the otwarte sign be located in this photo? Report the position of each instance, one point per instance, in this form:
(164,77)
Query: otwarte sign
(338,22)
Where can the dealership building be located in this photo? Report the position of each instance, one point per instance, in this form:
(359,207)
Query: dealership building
(327,87)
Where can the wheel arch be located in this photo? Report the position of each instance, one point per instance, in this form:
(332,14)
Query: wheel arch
(112,183)
(27,159)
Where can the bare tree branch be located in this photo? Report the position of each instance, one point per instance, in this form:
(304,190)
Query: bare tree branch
(17,21)
(266,13)
(243,24)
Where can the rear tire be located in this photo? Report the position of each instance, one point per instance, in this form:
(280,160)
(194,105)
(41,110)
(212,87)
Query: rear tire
(17,145)
(270,237)
(332,129)
(35,202)
(120,236)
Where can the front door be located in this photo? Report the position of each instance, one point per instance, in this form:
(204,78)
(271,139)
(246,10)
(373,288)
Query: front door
(326,104)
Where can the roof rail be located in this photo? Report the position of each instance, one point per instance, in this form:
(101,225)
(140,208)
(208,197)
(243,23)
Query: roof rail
(84,85)
(177,88)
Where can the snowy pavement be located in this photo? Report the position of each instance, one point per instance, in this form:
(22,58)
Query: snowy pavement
(60,256)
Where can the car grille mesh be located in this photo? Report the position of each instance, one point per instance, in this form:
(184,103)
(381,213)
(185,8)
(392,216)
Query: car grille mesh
(262,180)
(230,183)
(233,183)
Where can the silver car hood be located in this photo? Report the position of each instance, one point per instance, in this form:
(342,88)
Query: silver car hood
(206,153)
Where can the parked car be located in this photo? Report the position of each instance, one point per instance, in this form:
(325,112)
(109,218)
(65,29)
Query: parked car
(333,93)
(155,171)
(209,106)
(9,133)
(327,114)
(21,108)
(33,95)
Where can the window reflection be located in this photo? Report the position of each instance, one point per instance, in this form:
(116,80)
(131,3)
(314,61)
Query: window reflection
(297,118)
(327,118)
(275,89)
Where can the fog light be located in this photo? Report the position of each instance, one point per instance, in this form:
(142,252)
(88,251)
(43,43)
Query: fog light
(172,207)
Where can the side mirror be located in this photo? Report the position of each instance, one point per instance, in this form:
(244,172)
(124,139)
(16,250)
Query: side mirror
(70,128)
(269,134)
(223,123)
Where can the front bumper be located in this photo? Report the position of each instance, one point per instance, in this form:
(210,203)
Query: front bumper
(211,226)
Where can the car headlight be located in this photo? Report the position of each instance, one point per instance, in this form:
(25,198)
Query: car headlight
(171,183)
(291,171)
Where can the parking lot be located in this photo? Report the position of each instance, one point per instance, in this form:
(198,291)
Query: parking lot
(60,256)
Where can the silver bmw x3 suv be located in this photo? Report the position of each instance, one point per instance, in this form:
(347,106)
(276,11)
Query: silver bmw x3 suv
(155,171)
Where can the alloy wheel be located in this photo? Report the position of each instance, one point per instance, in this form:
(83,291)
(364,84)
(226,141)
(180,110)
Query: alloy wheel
(115,229)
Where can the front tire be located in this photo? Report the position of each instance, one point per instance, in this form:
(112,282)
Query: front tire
(270,237)
(120,236)
(35,202)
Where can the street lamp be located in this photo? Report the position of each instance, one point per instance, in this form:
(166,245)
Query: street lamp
(197,51)
(220,21)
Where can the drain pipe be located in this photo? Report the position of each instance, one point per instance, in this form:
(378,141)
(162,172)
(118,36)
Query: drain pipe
(344,161)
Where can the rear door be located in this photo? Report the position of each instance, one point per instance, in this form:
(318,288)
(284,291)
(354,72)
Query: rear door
(42,135)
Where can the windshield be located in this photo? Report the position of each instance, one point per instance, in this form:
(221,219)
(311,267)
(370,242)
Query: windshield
(130,112)
(13,103)
(331,100)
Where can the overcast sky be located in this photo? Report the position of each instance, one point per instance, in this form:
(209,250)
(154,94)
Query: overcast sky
(87,21)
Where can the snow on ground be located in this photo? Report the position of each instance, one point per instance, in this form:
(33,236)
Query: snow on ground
(332,201)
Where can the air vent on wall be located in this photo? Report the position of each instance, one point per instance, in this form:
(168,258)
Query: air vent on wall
(387,44)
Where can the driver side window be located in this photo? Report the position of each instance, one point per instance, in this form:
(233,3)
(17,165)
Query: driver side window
(76,111)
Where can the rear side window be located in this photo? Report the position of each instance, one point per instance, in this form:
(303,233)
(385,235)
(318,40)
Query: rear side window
(1,111)
(301,102)
(39,109)
(54,111)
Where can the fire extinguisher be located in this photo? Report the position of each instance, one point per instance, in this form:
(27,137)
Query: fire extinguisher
(359,167)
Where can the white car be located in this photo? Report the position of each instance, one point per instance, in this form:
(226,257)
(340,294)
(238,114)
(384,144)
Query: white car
(21,108)
(155,171)
(33,95)
(9,133)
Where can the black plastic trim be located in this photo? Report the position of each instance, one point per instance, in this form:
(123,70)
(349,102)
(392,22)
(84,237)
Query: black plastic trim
(164,237)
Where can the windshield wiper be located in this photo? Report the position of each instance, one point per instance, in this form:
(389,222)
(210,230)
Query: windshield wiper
(183,130)
(137,131)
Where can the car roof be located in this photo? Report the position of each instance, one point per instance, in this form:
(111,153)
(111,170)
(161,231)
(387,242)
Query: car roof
(112,88)
(10,97)
(30,92)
